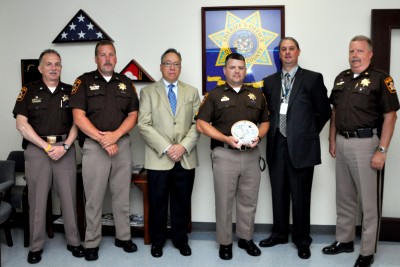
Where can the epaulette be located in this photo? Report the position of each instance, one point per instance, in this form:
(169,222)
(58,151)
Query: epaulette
(346,72)
(380,71)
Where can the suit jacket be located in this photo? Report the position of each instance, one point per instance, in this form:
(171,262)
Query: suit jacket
(308,111)
(160,128)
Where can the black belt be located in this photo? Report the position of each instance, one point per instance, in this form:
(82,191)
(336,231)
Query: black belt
(359,133)
(52,139)
(225,145)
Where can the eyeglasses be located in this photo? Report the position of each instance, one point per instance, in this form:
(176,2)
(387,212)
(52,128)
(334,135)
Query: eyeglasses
(170,64)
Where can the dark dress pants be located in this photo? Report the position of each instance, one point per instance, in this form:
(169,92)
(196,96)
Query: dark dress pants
(288,183)
(176,186)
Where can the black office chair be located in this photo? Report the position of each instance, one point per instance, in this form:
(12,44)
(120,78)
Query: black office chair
(7,179)
(19,193)
(20,200)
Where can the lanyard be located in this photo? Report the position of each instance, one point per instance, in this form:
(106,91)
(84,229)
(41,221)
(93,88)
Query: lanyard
(285,92)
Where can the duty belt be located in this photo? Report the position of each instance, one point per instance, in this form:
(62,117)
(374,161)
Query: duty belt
(225,145)
(52,139)
(359,133)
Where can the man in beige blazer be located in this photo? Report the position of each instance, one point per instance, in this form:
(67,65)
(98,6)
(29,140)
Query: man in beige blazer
(166,123)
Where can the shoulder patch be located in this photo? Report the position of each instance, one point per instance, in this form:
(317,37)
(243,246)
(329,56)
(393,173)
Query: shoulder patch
(201,104)
(390,85)
(22,94)
(204,99)
(75,87)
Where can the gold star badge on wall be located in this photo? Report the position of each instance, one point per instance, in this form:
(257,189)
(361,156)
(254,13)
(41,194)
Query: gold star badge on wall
(247,37)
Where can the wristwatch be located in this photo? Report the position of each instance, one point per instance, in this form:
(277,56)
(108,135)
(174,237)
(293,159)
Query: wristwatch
(381,149)
(66,147)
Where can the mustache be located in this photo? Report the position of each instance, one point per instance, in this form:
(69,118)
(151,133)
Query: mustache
(107,63)
(353,60)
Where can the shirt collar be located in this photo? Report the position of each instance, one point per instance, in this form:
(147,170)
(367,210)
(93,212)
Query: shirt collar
(166,83)
(292,72)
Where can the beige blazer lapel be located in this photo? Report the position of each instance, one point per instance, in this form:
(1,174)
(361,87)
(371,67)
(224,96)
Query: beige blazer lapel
(181,97)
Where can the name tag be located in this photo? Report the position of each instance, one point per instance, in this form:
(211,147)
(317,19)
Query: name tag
(284,107)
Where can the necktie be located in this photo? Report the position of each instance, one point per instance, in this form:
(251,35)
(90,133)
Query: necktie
(172,98)
(287,83)
(282,117)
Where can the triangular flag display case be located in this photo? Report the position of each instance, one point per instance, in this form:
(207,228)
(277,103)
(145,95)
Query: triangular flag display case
(136,73)
(81,28)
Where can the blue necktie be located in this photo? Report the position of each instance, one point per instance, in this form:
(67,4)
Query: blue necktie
(172,97)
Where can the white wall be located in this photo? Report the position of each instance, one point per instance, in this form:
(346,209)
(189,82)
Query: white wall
(144,29)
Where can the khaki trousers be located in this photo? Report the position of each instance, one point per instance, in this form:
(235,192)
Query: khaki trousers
(41,173)
(357,183)
(98,171)
(236,175)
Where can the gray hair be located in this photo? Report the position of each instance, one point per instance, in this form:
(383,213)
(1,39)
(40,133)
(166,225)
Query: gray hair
(363,38)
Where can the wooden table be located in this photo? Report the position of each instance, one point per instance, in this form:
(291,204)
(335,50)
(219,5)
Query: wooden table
(140,181)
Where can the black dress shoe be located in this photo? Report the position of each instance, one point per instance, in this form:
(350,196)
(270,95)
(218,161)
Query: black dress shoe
(338,247)
(156,251)
(364,261)
(272,241)
(127,245)
(91,254)
(225,252)
(184,250)
(250,247)
(303,252)
(77,251)
(35,257)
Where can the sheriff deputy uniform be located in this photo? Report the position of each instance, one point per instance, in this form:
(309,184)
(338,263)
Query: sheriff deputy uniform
(236,171)
(106,104)
(360,103)
(50,116)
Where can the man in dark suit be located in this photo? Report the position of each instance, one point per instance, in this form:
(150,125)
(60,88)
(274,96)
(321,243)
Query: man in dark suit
(299,108)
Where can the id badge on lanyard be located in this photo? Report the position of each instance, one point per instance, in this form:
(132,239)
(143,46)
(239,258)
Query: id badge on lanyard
(284,108)
(284,101)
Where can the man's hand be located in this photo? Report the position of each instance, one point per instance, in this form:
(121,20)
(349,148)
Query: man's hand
(233,142)
(56,152)
(108,138)
(332,148)
(112,150)
(254,142)
(378,160)
(175,152)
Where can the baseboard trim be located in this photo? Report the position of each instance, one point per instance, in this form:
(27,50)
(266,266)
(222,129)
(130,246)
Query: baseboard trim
(388,232)
(262,228)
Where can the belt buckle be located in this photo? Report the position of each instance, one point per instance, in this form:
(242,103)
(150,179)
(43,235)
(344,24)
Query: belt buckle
(51,139)
(243,148)
(346,134)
